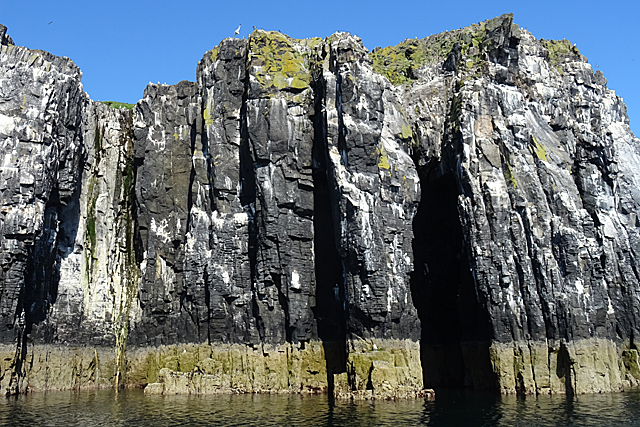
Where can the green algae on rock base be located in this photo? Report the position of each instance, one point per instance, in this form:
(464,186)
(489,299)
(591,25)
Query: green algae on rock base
(378,369)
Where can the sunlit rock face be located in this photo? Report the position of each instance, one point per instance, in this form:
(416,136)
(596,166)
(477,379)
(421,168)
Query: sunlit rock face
(456,211)
(40,131)
(527,276)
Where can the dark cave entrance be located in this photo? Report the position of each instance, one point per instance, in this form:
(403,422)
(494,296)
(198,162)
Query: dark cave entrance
(456,332)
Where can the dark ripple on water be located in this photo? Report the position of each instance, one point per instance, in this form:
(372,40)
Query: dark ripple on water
(133,408)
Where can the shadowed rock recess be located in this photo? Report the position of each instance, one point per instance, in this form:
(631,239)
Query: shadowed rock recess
(456,211)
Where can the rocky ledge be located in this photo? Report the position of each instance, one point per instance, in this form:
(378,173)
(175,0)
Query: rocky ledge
(456,211)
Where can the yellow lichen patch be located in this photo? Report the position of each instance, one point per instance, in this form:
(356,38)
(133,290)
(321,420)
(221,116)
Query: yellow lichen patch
(407,133)
(214,54)
(538,149)
(208,118)
(175,136)
(276,62)
(312,42)
(508,175)
(32,59)
(383,161)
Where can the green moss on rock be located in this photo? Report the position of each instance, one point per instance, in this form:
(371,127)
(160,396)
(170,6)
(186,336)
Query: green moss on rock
(561,51)
(399,63)
(277,62)
(631,362)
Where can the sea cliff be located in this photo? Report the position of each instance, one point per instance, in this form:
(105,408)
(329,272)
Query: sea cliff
(309,216)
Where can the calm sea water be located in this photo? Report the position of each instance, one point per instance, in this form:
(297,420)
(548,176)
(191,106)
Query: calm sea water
(133,408)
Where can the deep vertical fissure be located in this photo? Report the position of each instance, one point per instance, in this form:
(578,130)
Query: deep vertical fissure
(206,153)
(330,296)
(342,143)
(128,221)
(248,194)
(192,173)
(43,267)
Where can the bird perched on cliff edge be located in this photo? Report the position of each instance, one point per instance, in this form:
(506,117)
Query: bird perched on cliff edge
(237,31)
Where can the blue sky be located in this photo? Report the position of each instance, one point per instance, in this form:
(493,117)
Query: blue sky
(122,45)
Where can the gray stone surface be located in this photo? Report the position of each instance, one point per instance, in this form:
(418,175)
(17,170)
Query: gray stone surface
(40,119)
(164,129)
(5,39)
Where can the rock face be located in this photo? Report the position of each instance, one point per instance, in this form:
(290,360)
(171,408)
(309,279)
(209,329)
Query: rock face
(534,180)
(40,126)
(309,216)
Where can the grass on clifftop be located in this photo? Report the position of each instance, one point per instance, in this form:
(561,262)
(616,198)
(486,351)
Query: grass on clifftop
(117,105)
(278,64)
(399,63)
(561,51)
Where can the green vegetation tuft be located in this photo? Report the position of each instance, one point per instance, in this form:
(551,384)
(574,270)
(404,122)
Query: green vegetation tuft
(560,51)
(279,64)
(398,63)
(118,105)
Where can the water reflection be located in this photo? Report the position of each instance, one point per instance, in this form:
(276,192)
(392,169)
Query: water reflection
(453,408)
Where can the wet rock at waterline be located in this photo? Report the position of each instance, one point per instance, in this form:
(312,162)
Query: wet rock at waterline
(456,211)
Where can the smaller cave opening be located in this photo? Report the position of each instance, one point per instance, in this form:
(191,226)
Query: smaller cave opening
(42,275)
(456,329)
